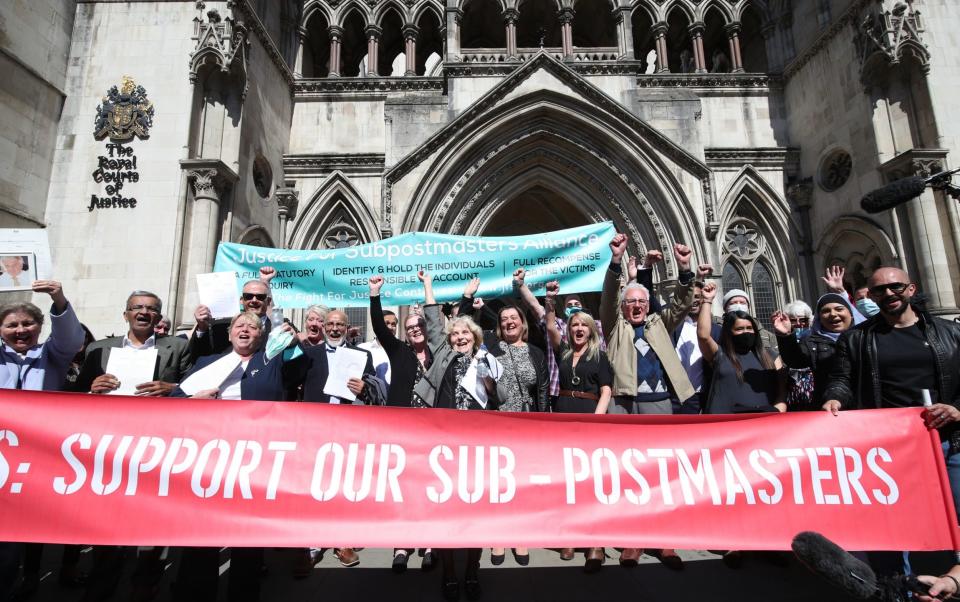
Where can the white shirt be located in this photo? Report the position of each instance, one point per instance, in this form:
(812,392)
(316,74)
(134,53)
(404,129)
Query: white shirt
(381,363)
(230,389)
(688,348)
(148,344)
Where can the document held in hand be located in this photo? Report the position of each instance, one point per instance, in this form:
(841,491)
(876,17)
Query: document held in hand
(131,367)
(345,364)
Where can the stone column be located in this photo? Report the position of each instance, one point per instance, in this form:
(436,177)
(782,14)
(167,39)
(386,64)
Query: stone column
(660,35)
(210,182)
(287,201)
(336,36)
(800,195)
(696,36)
(410,33)
(373,48)
(454,18)
(733,37)
(927,238)
(510,17)
(301,42)
(624,34)
(566,30)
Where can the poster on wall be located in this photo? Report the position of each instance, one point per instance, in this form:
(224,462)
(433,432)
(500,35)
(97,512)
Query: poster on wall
(24,257)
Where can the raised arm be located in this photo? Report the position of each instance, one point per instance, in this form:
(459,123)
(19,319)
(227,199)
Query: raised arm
(553,331)
(679,306)
(427,281)
(387,339)
(525,294)
(611,283)
(791,352)
(708,347)
(66,333)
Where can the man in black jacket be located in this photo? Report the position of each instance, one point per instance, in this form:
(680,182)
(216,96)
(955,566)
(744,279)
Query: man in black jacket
(890,359)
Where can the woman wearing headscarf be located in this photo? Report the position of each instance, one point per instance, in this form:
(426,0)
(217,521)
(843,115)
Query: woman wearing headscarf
(29,365)
(834,315)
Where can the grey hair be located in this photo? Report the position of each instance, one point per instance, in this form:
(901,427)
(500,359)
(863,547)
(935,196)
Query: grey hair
(28,308)
(633,286)
(472,326)
(321,310)
(798,308)
(139,293)
(260,282)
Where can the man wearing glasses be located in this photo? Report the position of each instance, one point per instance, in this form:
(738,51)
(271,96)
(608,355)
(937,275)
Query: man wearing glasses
(211,337)
(890,359)
(142,313)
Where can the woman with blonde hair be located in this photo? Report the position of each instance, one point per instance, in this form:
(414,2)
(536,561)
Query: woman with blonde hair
(586,380)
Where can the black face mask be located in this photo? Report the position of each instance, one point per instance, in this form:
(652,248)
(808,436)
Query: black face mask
(744,341)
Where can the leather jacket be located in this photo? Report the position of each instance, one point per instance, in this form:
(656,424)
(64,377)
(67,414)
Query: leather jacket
(854,374)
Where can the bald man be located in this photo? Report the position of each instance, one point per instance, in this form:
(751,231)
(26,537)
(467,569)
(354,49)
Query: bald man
(888,361)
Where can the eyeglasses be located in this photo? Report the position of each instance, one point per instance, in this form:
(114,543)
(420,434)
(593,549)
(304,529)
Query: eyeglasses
(153,309)
(257,296)
(799,320)
(640,302)
(895,287)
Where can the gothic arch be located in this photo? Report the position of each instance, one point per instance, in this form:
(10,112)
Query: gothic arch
(337,202)
(256,235)
(556,134)
(760,6)
(717,5)
(646,8)
(350,7)
(315,7)
(462,4)
(756,229)
(382,10)
(428,7)
(859,244)
(670,7)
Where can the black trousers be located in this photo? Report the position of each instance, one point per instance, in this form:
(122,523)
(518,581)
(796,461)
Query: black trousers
(199,575)
(9,567)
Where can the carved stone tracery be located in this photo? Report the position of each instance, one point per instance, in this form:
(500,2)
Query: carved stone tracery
(884,37)
(220,42)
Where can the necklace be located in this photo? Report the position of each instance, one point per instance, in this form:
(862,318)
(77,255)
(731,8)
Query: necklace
(573,366)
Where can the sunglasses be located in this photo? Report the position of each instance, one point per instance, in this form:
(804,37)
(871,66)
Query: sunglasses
(895,287)
(257,296)
(153,309)
(640,302)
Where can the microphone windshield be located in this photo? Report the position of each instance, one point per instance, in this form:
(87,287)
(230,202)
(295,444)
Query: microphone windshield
(833,563)
(893,194)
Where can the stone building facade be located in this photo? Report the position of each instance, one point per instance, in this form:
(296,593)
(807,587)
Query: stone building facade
(749,129)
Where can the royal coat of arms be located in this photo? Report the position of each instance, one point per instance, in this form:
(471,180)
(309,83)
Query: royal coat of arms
(125,113)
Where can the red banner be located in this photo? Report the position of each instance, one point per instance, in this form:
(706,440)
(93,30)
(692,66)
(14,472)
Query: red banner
(154,471)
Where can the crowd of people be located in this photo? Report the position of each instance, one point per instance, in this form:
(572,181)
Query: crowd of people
(875,347)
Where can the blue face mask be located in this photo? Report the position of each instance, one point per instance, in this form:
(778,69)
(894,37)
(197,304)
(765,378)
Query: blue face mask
(573,309)
(867,307)
(801,332)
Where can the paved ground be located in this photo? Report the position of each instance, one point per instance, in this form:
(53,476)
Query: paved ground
(547,579)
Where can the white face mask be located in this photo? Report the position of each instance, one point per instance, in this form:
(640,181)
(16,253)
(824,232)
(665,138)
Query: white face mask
(739,307)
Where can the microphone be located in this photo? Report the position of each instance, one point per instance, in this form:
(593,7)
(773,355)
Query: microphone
(893,194)
(850,574)
(834,564)
(900,191)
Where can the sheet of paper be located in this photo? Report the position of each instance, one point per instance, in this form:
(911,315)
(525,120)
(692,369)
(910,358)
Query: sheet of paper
(212,376)
(132,367)
(219,292)
(24,257)
(345,364)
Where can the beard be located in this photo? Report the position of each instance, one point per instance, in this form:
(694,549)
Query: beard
(904,304)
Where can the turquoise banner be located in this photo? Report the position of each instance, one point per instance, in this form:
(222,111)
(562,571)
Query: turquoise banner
(338,277)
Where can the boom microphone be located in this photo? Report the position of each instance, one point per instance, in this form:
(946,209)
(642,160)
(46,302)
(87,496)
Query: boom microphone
(834,564)
(893,194)
(850,574)
(900,191)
